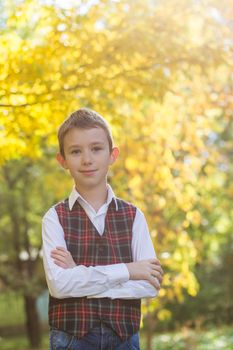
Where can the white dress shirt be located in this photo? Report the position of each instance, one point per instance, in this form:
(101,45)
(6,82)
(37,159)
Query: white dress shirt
(110,281)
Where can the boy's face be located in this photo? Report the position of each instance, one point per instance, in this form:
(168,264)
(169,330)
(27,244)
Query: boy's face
(87,157)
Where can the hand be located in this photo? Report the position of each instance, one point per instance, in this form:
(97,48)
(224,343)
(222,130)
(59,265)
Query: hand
(62,258)
(149,270)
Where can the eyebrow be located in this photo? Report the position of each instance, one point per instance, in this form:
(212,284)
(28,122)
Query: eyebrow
(92,144)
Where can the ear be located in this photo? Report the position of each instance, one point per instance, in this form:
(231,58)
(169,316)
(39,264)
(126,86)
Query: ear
(114,154)
(61,160)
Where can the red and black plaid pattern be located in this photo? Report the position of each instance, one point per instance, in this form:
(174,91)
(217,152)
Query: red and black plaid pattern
(77,316)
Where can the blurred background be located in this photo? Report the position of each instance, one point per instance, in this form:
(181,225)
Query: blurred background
(160,71)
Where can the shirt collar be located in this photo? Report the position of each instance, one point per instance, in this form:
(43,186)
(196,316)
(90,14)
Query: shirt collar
(75,195)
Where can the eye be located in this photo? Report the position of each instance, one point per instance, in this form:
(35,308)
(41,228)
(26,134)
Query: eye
(96,149)
(75,151)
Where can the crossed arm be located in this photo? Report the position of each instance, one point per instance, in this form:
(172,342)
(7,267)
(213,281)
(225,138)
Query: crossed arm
(138,279)
(149,270)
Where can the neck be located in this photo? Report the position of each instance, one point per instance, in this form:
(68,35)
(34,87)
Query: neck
(96,197)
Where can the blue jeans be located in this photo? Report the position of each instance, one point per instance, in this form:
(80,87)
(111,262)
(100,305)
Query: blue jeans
(99,338)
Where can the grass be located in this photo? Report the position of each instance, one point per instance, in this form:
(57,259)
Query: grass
(213,339)
(21,343)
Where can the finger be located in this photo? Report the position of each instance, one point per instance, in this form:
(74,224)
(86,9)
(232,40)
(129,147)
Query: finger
(57,254)
(155,283)
(155,261)
(59,258)
(157,268)
(61,264)
(62,249)
(157,275)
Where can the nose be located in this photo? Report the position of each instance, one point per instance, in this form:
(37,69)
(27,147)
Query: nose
(86,158)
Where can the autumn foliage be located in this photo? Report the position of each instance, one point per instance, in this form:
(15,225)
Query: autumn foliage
(161,73)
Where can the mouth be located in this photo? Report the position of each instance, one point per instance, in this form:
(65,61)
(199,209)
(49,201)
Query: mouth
(88,172)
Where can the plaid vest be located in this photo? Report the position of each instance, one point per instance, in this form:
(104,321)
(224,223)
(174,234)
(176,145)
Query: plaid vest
(78,316)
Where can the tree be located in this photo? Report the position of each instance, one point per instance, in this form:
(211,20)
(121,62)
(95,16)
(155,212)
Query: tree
(155,70)
(24,198)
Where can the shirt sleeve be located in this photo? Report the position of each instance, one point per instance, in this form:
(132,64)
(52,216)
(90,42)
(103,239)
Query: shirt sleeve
(142,249)
(81,280)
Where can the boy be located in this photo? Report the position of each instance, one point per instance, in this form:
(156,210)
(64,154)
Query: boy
(98,256)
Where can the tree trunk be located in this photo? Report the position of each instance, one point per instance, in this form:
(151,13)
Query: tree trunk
(150,325)
(148,340)
(32,322)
